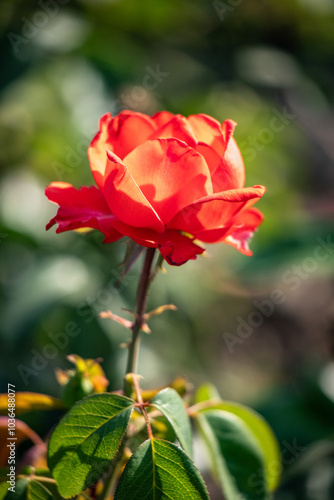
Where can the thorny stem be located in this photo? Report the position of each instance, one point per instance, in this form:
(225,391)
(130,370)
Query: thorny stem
(142,290)
(141,404)
(131,379)
(116,466)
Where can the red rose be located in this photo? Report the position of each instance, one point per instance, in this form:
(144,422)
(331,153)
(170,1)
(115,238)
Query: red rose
(165,181)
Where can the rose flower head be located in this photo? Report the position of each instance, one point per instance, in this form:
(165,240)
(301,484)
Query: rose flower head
(165,181)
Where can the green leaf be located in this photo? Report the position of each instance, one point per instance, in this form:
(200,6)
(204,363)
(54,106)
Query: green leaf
(26,489)
(3,490)
(86,440)
(170,403)
(263,433)
(37,491)
(206,392)
(159,470)
(236,456)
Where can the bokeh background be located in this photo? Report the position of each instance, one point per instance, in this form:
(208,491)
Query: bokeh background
(261,328)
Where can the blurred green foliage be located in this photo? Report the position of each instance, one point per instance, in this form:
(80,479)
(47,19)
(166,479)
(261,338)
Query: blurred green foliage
(64,64)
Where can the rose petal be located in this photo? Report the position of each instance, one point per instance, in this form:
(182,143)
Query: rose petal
(245,220)
(227,128)
(208,130)
(175,247)
(170,175)
(249,219)
(238,234)
(78,208)
(227,171)
(230,173)
(239,240)
(215,211)
(213,160)
(128,130)
(97,151)
(125,199)
(178,248)
(244,226)
(162,117)
(120,135)
(177,127)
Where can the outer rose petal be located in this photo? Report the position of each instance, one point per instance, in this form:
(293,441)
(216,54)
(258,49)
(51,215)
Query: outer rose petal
(220,151)
(230,174)
(97,151)
(215,211)
(240,240)
(175,247)
(170,175)
(179,249)
(244,226)
(120,135)
(239,233)
(126,200)
(78,208)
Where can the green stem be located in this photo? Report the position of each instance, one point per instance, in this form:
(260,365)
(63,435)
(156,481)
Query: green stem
(158,267)
(140,312)
(41,479)
(113,474)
